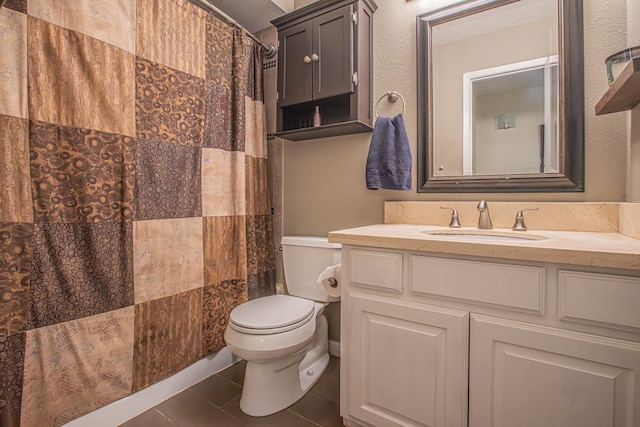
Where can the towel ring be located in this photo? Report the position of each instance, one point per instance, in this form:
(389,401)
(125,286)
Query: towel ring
(392,96)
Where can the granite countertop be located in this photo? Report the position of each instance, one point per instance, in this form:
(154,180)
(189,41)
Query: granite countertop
(595,249)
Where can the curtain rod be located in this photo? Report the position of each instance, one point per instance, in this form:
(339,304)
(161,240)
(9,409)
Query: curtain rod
(269,50)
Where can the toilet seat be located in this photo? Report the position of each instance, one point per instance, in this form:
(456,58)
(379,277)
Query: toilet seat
(271,315)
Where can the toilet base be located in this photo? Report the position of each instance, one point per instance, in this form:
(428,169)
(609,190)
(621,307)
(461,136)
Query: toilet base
(277,384)
(313,373)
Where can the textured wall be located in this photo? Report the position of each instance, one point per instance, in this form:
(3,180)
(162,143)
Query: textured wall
(299,3)
(324,186)
(633,180)
(633,23)
(633,173)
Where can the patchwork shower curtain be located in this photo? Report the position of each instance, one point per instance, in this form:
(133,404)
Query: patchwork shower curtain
(134,206)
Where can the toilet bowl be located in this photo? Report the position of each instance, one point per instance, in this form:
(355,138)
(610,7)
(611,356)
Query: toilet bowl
(284,338)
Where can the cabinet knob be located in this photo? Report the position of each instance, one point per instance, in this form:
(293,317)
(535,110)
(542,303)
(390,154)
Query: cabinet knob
(306,59)
(315,57)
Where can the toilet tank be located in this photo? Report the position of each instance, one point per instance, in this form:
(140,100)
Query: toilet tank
(304,258)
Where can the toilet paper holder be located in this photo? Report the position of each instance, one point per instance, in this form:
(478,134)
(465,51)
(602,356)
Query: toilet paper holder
(329,278)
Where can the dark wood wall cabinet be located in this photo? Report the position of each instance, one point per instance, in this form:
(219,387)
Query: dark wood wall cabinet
(324,63)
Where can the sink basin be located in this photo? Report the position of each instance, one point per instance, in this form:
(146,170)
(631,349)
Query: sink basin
(486,235)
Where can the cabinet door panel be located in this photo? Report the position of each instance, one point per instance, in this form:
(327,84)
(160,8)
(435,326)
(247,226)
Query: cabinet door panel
(408,364)
(511,287)
(599,299)
(376,270)
(533,376)
(295,75)
(333,43)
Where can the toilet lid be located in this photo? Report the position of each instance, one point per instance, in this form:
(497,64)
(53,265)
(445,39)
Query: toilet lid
(273,312)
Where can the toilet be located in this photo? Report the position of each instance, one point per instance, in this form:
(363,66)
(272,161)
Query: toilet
(284,338)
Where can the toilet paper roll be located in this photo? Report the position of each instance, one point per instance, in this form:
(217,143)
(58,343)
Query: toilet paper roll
(330,279)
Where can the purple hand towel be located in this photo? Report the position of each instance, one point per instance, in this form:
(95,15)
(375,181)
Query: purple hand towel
(389,159)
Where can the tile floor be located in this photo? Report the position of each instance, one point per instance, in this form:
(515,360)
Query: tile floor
(215,402)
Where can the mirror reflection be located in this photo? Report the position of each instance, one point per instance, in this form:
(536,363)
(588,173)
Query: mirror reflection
(510,116)
(484,66)
(492,73)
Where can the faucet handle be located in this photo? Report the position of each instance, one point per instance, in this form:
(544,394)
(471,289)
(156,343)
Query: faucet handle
(454,217)
(519,224)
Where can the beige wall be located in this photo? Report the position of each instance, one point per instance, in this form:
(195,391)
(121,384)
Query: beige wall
(299,3)
(633,173)
(286,5)
(633,180)
(633,23)
(514,150)
(324,186)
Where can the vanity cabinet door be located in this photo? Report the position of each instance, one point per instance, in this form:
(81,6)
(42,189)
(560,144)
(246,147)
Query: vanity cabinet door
(407,364)
(530,376)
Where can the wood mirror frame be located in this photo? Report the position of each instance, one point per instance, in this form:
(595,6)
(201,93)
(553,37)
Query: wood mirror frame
(571,108)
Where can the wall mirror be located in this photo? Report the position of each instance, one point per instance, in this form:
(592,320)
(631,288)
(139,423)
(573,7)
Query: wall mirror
(501,97)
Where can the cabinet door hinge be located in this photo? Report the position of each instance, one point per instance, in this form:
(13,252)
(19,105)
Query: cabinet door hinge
(277,96)
(354,78)
(354,18)
(278,43)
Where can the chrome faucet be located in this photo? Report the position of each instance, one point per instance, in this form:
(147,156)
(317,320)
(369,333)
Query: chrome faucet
(484,220)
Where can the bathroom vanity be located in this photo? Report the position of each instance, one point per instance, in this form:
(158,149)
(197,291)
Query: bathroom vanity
(468,330)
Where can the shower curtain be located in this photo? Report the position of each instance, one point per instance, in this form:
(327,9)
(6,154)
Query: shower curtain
(134,205)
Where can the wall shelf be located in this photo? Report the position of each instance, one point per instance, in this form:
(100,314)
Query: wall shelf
(324,131)
(624,92)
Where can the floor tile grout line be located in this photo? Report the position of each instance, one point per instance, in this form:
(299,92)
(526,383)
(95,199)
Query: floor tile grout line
(325,397)
(166,417)
(304,418)
(284,410)
(230,414)
(214,403)
(231,381)
(222,406)
(225,406)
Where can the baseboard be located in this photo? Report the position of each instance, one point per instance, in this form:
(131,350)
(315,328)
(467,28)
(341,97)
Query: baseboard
(128,407)
(334,348)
